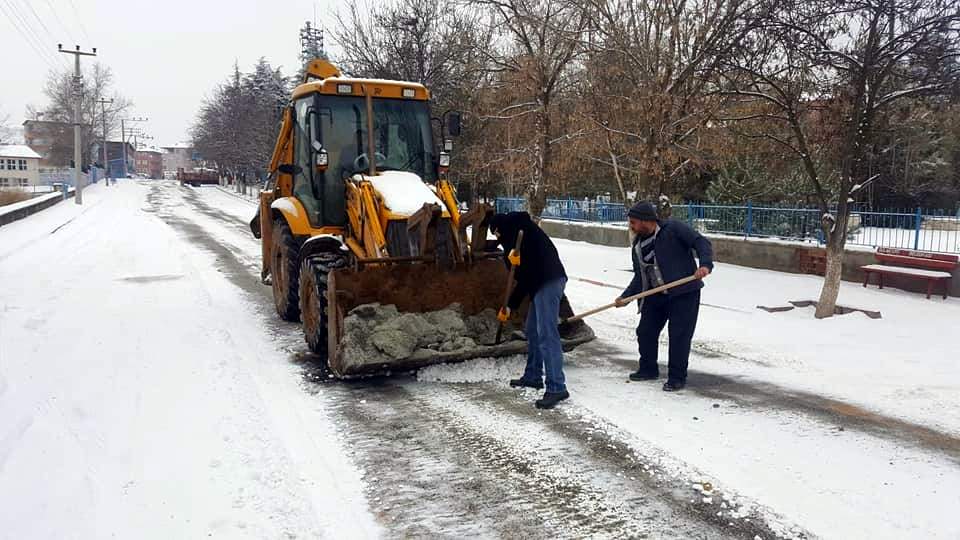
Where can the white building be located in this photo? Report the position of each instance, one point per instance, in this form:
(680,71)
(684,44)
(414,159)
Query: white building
(19,167)
(178,157)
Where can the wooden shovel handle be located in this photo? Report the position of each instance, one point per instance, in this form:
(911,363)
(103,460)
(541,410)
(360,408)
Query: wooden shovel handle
(509,287)
(644,294)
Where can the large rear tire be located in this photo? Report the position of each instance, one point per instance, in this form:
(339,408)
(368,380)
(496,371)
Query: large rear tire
(286,272)
(313,298)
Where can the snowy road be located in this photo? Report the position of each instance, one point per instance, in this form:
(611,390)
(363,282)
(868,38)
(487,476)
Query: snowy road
(148,390)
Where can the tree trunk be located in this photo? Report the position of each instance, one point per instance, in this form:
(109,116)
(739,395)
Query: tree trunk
(536,200)
(836,242)
(536,194)
(616,169)
(831,282)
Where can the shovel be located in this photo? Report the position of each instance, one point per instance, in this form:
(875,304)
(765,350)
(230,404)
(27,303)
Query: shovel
(509,288)
(644,294)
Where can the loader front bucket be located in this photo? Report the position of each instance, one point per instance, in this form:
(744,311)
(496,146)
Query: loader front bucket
(423,288)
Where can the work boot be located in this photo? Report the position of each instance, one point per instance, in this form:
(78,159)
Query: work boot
(673,386)
(643,376)
(524,383)
(550,399)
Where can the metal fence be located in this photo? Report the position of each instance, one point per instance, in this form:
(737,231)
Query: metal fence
(916,229)
(65,176)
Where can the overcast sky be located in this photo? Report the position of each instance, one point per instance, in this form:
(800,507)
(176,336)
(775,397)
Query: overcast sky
(165,55)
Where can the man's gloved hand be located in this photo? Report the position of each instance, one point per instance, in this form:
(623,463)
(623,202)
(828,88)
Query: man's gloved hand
(620,302)
(702,272)
(503,315)
(514,257)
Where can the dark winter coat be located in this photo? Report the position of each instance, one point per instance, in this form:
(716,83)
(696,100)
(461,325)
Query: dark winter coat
(674,249)
(539,260)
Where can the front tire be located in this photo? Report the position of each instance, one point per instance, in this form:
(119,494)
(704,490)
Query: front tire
(286,272)
(314,273)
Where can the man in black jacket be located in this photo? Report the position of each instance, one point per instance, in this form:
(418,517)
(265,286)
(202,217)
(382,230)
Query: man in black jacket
(540,275)
(662,252)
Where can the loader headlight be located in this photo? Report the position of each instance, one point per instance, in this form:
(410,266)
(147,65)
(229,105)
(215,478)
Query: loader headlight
(409,93)
(444,160)
(322,159)
(344,88)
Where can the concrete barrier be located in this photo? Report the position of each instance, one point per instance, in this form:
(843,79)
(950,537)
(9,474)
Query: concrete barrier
(779,255)
(593,233)
(20,210)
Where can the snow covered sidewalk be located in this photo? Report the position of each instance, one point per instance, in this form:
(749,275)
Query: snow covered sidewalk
(141,398)
(903,365)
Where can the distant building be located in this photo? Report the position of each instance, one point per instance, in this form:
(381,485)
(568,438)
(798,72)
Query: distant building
(115,155)
(149,161)
(52,140)
(178,157)
(19,167)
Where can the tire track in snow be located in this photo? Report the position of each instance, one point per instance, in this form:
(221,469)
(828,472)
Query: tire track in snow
(642,479)
(452,461)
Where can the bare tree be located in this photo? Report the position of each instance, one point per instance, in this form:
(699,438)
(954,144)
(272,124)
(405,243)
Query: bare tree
(437,43)
(433,42)
(645,77)
(97,83)
(539,41)
(832,70)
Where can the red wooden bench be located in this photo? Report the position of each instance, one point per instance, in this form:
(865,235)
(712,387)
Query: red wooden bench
(933,267)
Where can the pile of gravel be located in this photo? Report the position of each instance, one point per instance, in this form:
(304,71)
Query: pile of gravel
(379,334)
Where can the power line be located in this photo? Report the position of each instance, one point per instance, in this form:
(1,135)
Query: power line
(28,37)
(16,19)
(56,16)
(43,25)
(39,20)
(80,21)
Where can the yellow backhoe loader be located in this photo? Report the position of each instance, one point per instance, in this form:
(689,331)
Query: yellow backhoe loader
(358,210)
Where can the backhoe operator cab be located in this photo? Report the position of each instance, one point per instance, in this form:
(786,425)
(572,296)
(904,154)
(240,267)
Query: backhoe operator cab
(331,146)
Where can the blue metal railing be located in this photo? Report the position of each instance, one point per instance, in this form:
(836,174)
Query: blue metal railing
(907,229)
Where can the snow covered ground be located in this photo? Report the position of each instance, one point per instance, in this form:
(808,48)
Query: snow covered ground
(147,389)
(140,397)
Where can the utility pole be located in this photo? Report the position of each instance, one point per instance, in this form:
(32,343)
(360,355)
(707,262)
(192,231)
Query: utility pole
(77,95)
(103,117)
(123,140)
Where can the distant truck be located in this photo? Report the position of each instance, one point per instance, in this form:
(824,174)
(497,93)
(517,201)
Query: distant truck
(198,178)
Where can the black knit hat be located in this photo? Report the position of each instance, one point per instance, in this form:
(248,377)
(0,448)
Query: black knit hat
(643,211)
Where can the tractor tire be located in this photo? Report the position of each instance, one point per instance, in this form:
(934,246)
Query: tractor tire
(286,272)
(313,298)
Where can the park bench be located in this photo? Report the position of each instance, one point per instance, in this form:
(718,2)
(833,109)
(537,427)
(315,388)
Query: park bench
(933,267)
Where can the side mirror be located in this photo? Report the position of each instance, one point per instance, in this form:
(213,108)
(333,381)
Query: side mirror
(290,168)
(453,123)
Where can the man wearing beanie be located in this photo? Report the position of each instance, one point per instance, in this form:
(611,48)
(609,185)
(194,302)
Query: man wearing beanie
(663,252)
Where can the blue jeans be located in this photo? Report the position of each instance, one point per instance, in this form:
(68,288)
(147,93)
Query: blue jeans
(544,351)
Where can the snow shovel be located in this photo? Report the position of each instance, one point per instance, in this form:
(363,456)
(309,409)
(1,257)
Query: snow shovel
(644,294)
(509,288)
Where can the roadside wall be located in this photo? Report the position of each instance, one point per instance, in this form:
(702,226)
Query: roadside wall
(782,256)
(17,211)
